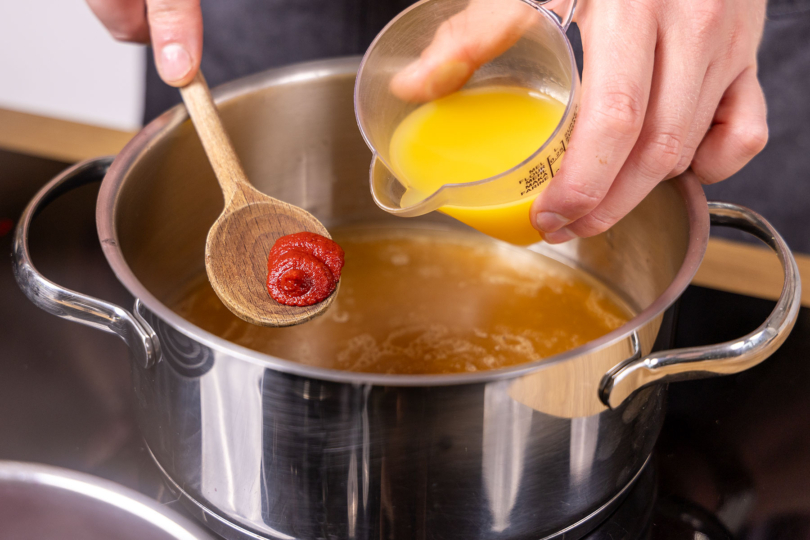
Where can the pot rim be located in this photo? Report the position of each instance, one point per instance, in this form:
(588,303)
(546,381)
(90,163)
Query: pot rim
(687,185)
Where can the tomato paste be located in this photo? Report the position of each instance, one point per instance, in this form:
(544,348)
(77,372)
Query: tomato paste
(303,269)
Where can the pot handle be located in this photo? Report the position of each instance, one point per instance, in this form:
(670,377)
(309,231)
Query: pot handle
(725,358)
(63,302)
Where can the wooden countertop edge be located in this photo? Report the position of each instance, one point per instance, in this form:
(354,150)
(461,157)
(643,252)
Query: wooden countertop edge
(60,140)
(729,266)
(748,269)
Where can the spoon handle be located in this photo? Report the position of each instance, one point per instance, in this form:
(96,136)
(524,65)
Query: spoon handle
(215,140)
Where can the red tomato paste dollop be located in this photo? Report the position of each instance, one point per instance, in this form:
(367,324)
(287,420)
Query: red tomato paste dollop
(303,269)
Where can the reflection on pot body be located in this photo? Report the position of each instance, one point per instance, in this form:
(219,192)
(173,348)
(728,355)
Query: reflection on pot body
(294,457)
(232,427)
(264,448)
(507,424)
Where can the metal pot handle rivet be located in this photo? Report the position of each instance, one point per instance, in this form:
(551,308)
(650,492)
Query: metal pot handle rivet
(63,302)
(724,358)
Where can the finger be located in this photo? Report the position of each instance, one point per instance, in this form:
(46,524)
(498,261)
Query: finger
(463,43)
(176,30)
(677,84)
(124,19)
(709,100)
(616,88)
(740,130)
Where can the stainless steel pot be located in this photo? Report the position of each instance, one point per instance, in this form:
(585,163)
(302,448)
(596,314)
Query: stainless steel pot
(261,447)
(39,502)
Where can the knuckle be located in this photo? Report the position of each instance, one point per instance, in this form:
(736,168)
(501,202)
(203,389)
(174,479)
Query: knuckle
(736,37)
(162,10)
(449,28)
(593,224)
(753,138)
(161,15)
(708,16)
(454,34)
(161,7)
(582,197)
(683,163)
(620,110)
(705,174)
(643,9)
(661,152)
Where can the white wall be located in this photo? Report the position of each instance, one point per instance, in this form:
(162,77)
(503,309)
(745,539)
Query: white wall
(56,59)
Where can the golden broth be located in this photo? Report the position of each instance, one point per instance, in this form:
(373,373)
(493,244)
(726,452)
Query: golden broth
(415,301)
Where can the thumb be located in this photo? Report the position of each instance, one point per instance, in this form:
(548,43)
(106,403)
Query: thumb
(462,44)
(176,30)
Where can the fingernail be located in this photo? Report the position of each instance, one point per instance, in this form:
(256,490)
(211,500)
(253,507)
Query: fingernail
(175,62)
(558,237)
(550,221)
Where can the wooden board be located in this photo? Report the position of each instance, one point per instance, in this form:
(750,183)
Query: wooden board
(748,269)
(56,139)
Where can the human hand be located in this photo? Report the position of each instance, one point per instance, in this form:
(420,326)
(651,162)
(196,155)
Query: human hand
(666,85)
(484,30)
(175,28)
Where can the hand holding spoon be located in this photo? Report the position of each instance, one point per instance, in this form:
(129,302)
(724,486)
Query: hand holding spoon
(238,243)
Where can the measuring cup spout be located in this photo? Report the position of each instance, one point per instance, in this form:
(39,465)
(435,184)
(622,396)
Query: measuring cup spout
(387,192)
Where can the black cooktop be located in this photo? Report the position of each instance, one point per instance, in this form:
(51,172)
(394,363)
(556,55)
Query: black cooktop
(647,515)
(733,459)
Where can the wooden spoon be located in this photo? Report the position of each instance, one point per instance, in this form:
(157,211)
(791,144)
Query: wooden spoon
(239,242)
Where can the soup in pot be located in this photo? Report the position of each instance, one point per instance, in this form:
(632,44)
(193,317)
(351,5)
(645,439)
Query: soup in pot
(424,301)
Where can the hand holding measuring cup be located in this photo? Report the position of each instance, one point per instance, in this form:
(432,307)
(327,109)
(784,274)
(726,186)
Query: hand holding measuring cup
(666,85)
(483,154)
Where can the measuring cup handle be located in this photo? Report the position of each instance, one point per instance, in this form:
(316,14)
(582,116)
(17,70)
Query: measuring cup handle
(565,21)
(724,358)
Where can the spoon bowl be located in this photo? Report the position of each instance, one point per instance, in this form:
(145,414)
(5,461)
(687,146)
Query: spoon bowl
(239,242)
(238,275)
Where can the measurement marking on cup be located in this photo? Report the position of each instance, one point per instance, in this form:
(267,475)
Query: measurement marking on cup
(537,177)
(554,157)
(557,153)
(570,128)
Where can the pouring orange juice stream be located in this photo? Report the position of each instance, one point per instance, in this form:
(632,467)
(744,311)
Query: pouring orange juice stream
(473,135)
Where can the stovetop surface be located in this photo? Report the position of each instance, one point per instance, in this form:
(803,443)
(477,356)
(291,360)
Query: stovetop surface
(733,459)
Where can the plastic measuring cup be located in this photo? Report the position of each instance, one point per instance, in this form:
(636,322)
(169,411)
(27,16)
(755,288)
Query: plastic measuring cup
(541,59)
